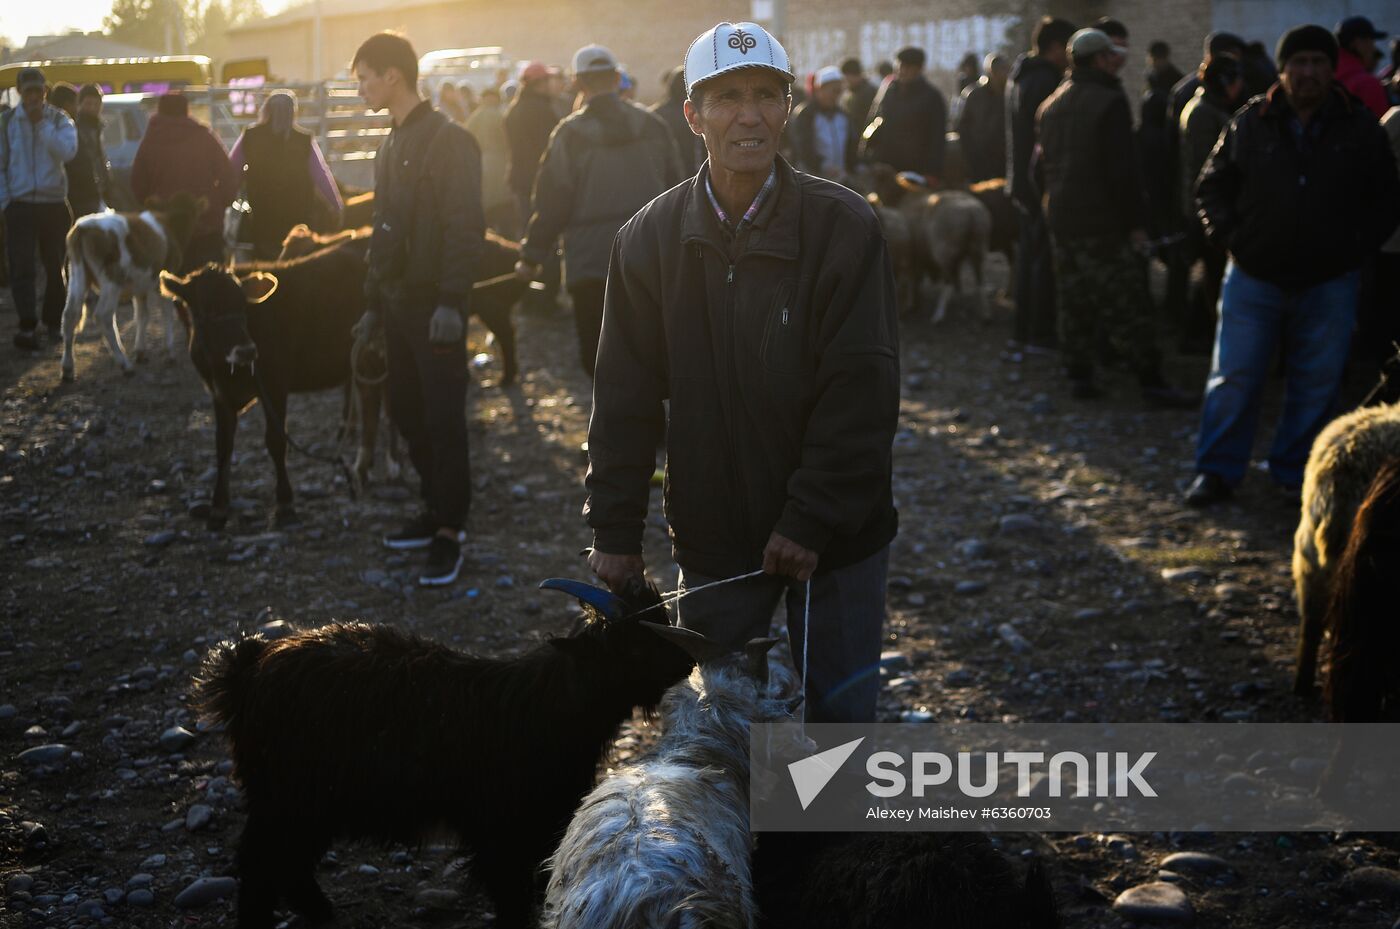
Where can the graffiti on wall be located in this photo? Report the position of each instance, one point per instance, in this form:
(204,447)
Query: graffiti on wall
(944,40)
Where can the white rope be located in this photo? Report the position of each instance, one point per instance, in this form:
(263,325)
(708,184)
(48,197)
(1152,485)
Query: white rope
(806,617)
(679,594)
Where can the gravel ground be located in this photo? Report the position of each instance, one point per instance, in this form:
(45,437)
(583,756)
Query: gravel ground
(1044,571)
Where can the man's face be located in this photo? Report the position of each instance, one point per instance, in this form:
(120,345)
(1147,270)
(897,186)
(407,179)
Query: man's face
(1116,62)
(32,99)
(741,117)
(90,106)
(1306,77)
(908,73)
(828,94)
(1365,49)
(376,89)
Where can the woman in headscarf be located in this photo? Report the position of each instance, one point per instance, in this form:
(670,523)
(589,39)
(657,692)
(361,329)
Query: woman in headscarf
(284,173)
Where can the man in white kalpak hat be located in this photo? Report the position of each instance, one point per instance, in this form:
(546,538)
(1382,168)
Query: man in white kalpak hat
(760,302)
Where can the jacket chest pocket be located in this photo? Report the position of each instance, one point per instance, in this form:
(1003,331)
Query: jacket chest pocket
(783,333)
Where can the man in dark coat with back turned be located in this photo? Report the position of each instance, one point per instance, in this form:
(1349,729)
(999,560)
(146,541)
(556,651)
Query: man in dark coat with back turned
(1033,79)
(1097,215)
(179,155)
(604,162)
(672,113)
(914,120)
(760,302)
(982,124)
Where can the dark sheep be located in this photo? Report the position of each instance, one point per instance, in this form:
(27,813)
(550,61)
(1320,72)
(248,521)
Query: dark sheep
(356,731)
(895,880)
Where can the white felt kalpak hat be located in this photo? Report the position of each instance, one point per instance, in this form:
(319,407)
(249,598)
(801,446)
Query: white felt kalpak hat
(731,46)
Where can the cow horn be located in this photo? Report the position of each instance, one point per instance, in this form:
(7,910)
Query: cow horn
(604,601)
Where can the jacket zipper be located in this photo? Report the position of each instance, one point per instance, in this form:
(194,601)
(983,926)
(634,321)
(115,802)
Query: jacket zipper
(735,471)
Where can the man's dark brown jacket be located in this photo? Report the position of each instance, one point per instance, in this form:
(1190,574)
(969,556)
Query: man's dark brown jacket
(780,359)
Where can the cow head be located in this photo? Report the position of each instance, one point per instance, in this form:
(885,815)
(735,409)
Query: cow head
(215,301)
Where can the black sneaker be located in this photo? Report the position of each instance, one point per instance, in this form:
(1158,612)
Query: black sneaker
(444,561)
(417,534)
(1207,490)
(27,340)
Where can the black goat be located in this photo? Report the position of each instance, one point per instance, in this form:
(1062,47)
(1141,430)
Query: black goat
(895,880)
(364,732)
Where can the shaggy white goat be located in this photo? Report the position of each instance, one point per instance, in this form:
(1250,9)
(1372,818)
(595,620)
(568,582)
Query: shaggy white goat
(665,842)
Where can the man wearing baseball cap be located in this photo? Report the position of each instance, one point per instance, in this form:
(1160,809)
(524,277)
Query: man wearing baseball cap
(1356,59)
(604,162)
(36,141)
(1097,215)
(760,302)
(1301,189)
(823,137)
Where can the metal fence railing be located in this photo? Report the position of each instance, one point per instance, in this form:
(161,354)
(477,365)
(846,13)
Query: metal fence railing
(349,135)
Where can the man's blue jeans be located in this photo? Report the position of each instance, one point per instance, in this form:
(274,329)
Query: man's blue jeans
(1313,328)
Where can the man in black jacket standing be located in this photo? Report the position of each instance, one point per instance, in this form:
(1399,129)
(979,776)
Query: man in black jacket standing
(859,95)
(760,302)
(426,239)
(1302,189)
(1033,79)
(603,163)
(672,113)
(982,124)
(913,120)
(1097,214)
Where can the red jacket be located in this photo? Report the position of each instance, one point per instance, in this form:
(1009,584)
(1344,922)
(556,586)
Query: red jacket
(178,155)
(1357,78)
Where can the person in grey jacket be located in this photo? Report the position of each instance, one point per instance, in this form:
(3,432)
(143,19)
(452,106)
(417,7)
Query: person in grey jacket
(1204,119)
(36,141)
(603,163)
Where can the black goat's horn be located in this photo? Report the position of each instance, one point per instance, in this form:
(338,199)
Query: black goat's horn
(604,601)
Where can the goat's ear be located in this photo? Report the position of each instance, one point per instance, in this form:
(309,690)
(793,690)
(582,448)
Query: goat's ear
(693,643)
(258,286)
(756,657)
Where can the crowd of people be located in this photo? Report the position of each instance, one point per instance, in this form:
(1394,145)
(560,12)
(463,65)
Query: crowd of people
(737,306)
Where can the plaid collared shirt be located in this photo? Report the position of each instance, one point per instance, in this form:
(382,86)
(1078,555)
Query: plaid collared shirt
(753,209)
